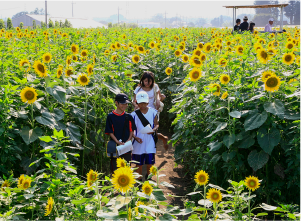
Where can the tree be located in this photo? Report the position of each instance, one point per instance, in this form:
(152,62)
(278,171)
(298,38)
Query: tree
(110,25)
(21,25)
(200,22)
(34,25)
(56,24)
(2,24)
(61,24)
(50,23)
(9,24)
(292,11)
(43,24)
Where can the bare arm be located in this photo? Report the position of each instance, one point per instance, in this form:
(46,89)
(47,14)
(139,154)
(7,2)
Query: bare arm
(134,102)
(156,125)
(115,139)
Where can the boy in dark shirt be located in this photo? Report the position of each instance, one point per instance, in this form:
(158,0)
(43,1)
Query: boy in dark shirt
(245,25)
(115,124)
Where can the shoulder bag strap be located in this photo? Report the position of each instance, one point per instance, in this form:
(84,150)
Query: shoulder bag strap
(126,123)
(143,120)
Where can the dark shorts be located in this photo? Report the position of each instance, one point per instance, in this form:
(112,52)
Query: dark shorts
(146,158)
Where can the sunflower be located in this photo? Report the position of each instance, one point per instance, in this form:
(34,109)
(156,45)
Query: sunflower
(147,188)
(214,195)
(29,95)
(185,58)
(74,49)
(289,45)
(74,58)
(252,183)
(90,69)
(68,60)
(153,170)
(83,80)
(140,49)
(197,52)
(20,180)
(181,47)
(178,53)
(92,175)
(25,62)
(47,57)
(263,56)
(114,58)
(54,31)
(200,45)
(228,43)
(292,80)
(261,41)
(123,179)
(113,47)
(65,35)
(201,177)
(129,214)
(40,69)
(123,36)
(5,184)
(136,59)
(195,74)
(224,95)
(272,83)
(218,89)
(121,162)
(90,183)
(117,45)
(288,58)
(224,79)
(207,47)
(69,71)
(298,60)
(222,62)
(240,50)
(49,206)
(151,44)
(147,51)
(84,53)
(272,52)
(195,61)
(168,70)
(266,75)
(25,184)
(107,52)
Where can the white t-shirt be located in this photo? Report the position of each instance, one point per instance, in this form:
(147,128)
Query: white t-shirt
(151,94)
(268,28)
(148,144)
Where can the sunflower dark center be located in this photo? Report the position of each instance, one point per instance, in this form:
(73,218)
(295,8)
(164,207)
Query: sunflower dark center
(26,185)
(215,196)
(147,190)
(240,49)
(123,181)
(41,68)
(83,79)
(47,58)
(74,49)
(195,75)
(264,55)
(225,78)
(69,72)
(288,58)
(197,61)
(289,46)
(272,82)
(136,58)
(202,178)
(252,183)
(198,53)
(84,54)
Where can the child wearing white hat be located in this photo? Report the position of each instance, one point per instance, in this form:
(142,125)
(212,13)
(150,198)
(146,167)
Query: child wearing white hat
(144,147)
(268,27)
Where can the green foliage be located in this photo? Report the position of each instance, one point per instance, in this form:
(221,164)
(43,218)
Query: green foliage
(34,25)
(2,24)
(9,24)
(21,25)
(50,23)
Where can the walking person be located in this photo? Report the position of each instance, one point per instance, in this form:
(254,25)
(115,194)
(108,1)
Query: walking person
(245,25)
(268,27)
(251,28)
(120,126)
(236,27)
(148,85)
(144,146)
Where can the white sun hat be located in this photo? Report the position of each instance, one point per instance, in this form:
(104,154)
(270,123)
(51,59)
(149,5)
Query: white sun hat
(142,97)
(271,19)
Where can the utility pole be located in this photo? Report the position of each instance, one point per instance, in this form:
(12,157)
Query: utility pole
(72,7)
(118,15)
(46,13)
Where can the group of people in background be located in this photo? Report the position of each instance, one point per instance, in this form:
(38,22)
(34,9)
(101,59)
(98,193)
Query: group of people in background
(246,26)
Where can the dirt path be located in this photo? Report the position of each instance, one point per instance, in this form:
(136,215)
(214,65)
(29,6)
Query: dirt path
(174,176)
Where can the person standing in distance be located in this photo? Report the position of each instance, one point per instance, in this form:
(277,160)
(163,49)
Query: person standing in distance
(245,25)
(268,27)
(236,27)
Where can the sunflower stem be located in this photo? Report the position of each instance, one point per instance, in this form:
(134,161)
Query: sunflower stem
(99,203)
(249,210)
(85,132)
(54,205)
(127,209)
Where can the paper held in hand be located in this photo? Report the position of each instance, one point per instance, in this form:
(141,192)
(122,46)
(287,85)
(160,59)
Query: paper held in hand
(146,130)
(124,148)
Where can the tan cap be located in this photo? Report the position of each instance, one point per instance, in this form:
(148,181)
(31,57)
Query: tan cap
(245,17)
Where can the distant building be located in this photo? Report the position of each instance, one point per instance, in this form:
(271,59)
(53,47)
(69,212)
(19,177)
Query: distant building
(149,25)
(76,22)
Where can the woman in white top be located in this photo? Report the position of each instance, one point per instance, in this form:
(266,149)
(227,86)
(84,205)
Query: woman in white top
(147,84)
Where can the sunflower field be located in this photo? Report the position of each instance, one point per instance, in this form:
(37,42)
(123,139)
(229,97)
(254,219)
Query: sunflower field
(232,103)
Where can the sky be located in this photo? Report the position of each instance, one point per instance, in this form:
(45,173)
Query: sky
(129,9)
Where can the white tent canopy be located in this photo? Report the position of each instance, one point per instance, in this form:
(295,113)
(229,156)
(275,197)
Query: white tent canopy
(281,6)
